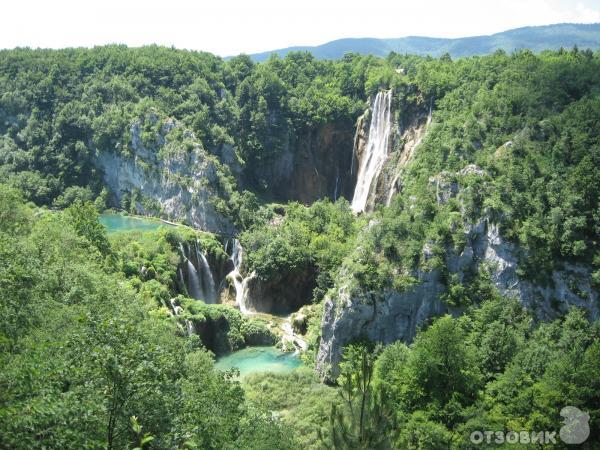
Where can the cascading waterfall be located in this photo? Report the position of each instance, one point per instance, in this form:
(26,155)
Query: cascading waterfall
(177,310)
(182,285)
(239,283)
(376,151)
(208,281)
(199,280)
(195,288)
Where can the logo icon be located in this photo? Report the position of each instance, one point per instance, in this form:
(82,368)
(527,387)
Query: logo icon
(576,428)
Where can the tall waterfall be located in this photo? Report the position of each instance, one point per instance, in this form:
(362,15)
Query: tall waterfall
(376,151)
(239,282)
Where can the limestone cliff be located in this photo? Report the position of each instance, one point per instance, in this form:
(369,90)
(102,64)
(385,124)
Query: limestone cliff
(315,164)
(173,176)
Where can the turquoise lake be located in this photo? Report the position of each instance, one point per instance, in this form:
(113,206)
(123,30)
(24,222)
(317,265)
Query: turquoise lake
(259,359)
(117,222)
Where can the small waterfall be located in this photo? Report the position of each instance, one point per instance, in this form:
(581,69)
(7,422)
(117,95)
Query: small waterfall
(289,335)
(182,285)
(430,115)
(191,329)
(392,190)
(376,151)
(177,310)
(239,282)
(198,281)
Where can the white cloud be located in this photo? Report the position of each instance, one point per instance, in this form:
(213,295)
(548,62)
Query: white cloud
(583,14)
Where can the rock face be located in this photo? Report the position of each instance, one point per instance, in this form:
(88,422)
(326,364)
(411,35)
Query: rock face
(390,182)
(570,286)
(178,180)
(381,317)
(282,296)
(391,315)
(175,180)
(315,165)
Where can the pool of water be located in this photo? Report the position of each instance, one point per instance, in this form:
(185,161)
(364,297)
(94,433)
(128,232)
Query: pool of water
(118,222)
(259,359)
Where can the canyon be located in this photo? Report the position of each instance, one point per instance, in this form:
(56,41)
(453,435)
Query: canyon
(368,169)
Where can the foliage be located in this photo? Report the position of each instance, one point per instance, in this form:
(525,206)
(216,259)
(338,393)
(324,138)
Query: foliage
(306,240)
(298,397)
(81,352)
(84,219)
(488,370)
(361,420)
(61,108)
(223,329)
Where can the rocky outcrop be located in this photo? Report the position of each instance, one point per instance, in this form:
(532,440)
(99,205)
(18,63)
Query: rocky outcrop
(381,317)
(173,178)
(567,287)
(390,315)
(390,181)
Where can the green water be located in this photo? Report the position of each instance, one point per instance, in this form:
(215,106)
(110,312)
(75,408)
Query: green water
(259,359)
(118,222)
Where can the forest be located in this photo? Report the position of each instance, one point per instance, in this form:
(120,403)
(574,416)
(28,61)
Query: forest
(104,345)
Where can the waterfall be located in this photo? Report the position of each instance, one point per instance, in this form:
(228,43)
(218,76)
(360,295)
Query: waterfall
(239,282)
(392,190)
(191,329)
(208,281)
(430,115)
(199,281)
(181,280)
(289,335)
(376,150)
(177,310)
(337,179)
(194,287)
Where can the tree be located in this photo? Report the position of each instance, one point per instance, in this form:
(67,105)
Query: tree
(84,218)
(362,421)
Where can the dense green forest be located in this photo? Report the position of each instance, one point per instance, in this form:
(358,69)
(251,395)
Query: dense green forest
(93,350)
(88,358)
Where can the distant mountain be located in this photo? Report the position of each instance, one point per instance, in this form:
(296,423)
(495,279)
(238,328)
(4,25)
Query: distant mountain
(534,38)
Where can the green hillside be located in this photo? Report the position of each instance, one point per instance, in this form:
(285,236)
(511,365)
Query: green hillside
(533,38)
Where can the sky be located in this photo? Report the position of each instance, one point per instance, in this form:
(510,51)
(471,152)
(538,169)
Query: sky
(230,27)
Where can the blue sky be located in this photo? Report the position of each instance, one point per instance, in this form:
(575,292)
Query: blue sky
(228,27)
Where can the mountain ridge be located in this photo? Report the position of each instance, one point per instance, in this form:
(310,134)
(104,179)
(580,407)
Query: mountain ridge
(535,38)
